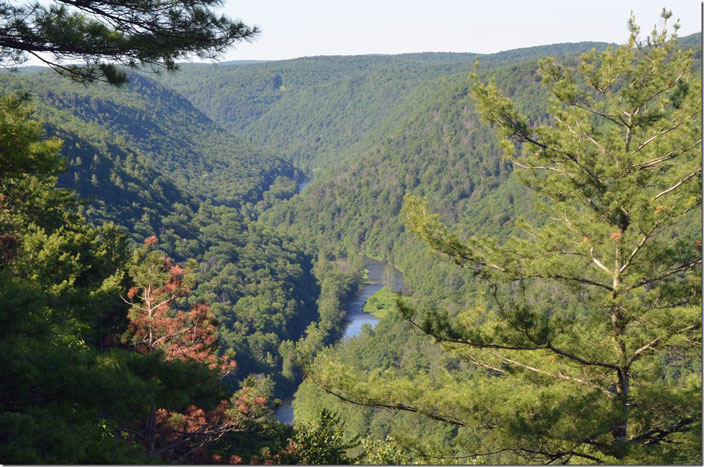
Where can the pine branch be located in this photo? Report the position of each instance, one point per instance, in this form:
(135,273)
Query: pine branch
(404,407)
(559,376)
(635,251)
(599,263)
(652,345)
(612,118)
(658,435)
(469,456)
(670,155)
(683,268)
(581,360)
(581,280)
(656,136)
(678,184)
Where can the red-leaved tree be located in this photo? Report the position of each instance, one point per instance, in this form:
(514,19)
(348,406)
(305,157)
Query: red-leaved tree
(155,325)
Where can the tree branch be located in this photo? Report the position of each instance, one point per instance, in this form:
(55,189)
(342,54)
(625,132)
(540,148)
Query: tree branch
(407,408)
(654,137)
(581,360)
(684,267)
(469,456)
(613,118)
(657,435)
(599,263)
(678,184)
(582,280)
(557,376)
(655,342)
(628,261)
(666,157)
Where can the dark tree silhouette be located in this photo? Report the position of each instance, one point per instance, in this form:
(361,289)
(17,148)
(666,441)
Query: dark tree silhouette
(103,34)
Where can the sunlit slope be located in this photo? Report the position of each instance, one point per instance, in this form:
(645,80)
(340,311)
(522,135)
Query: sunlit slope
(311,110)
(439,149)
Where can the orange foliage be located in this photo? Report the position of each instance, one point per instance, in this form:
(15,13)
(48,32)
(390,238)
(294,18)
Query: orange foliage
(185,335)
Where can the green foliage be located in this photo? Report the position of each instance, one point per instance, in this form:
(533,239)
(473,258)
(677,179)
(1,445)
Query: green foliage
(586,303)
(322,442)
(100,32)
(70,394)
(381,304)
(22,151)
(128,154)
(436,141)
(135,139)
(318,111)
(59,303)
(381,452)
(378,127)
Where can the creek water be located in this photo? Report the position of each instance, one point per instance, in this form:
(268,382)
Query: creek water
(303,185)
(379,273)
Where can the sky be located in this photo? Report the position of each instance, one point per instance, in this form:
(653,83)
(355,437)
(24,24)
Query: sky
(297,28)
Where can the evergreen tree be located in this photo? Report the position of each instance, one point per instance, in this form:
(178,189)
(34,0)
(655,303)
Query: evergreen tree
(588,347)
(59,301)
(70,393)
(155,326)
(153,33)
(320,443)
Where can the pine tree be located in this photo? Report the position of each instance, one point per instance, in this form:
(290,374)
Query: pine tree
(102,33)
(589,346)
(70,393)
(59,300)
(155,326)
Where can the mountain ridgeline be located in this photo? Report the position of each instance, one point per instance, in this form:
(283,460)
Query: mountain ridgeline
(313,110)
(209,160)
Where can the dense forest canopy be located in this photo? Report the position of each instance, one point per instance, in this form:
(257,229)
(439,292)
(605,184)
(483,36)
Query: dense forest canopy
(592,310)
(165,280)
(315,111)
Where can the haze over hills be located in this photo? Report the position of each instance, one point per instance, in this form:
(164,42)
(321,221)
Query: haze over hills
(210,161)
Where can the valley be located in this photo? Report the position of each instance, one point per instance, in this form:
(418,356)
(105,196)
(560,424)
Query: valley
(292,192)
(355,317)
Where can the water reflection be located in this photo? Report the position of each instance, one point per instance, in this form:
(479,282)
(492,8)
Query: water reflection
(379,275)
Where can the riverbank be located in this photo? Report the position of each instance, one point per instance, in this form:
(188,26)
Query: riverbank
(381,304)
(377,274)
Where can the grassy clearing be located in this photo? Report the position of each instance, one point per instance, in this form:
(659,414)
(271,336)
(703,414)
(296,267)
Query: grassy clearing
(381,304)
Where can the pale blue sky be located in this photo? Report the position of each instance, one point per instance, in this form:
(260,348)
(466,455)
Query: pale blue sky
(293,28)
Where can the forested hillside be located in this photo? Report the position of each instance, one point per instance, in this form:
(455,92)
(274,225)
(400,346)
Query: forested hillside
(441,150)
(312,110)
(161,249)
(149,119)
(145,158)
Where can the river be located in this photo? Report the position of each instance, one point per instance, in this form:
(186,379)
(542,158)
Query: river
(355,317)
(303,185)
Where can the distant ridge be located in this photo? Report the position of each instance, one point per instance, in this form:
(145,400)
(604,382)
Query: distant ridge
(554,49)
(519,52)
(240,62)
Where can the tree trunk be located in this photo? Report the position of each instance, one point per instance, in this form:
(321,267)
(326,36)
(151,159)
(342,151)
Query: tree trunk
(620,431)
